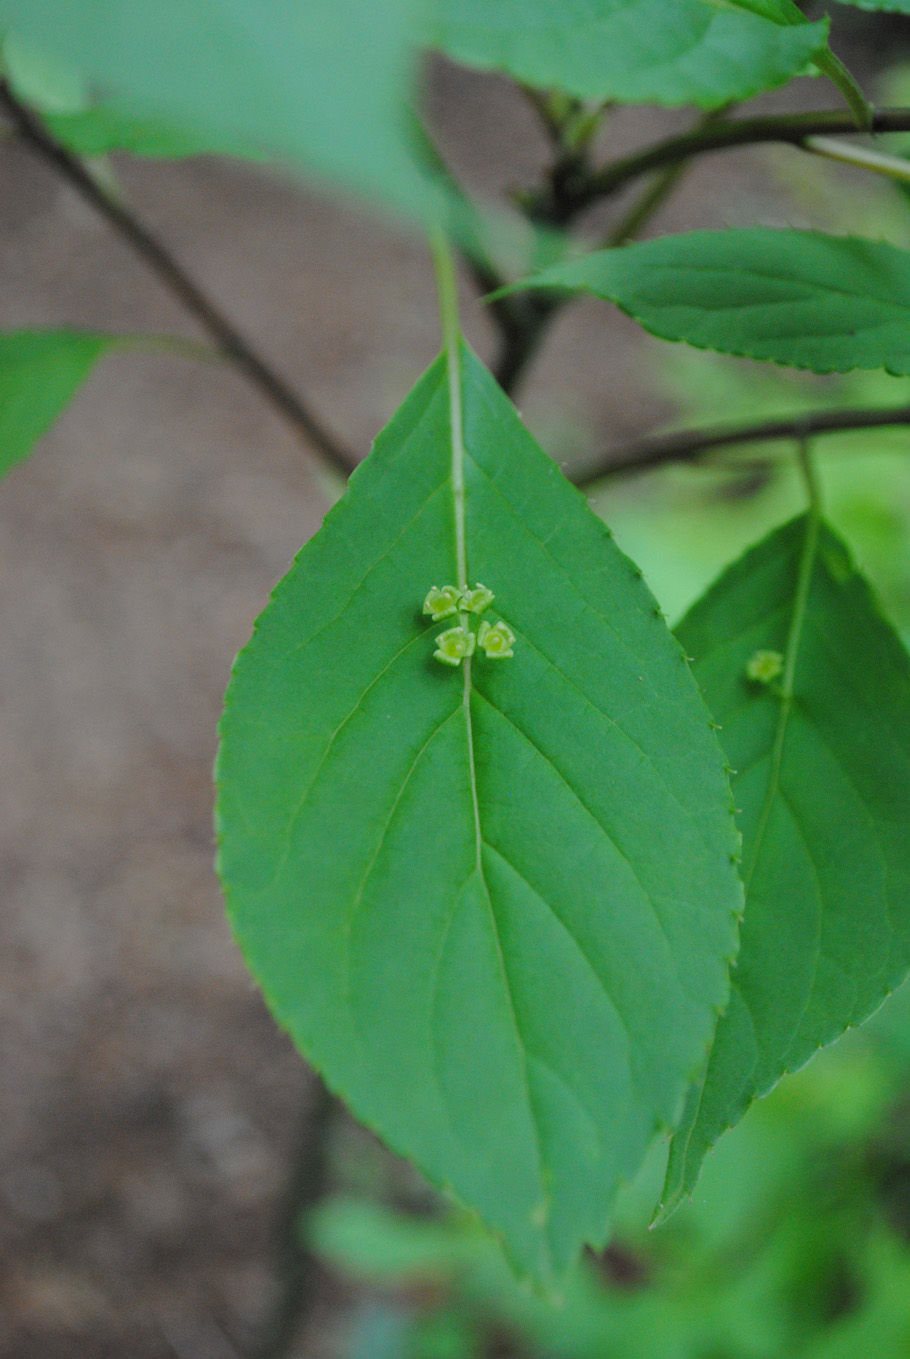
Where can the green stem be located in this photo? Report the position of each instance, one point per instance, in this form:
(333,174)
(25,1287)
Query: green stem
(446,283)
(806,564)
(863,157)
(832,66)
(655,193)
(644,207)
(447,287)
(794,639)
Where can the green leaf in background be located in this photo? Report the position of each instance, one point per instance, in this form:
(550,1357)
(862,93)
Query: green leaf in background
(40,373)
(827,303)
(892,6)
(823,788)
(323,84)
(638,51)
(492,904)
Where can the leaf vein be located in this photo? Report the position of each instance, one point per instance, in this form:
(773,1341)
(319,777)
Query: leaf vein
(605,830)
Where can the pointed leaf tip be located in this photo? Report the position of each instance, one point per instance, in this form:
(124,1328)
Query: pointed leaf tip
(495,915)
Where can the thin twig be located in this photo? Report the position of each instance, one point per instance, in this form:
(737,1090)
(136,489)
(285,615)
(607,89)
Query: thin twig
(863,157)
(655,194)
(295,1267)
(688,444)
(645,206)
(550,206)
(228,339)
(572,186)
(523,327)
(513,314)
(791,128)
(552,118)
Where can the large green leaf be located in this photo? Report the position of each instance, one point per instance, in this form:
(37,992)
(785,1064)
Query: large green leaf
(323,84)
(638,51)
(823,788)
(491,903)
(40,372)
(828,303)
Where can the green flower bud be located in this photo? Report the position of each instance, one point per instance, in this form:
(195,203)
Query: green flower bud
(442,603)
(764,666)
(476,600)
(496,639)
(453,645)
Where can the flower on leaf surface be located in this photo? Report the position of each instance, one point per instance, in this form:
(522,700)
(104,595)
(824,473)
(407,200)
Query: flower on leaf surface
(476,600)
(764,666)
(496,639)
(442,602)
(453,645)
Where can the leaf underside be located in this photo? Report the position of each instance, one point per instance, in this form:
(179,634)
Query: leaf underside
(826,303)
(40,373)
(826,849)
(500,929)
(638,51)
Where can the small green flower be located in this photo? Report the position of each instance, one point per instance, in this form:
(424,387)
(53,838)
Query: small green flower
(764,666)
(453,645)
(496,639)
(442,603)
(476,600)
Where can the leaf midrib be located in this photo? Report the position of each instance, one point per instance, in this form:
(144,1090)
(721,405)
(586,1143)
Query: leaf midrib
(536,1121)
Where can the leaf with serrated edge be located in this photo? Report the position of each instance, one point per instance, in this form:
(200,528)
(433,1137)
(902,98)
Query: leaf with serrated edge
(827,303)
(788,12)
(826,849)
(40,373)
(496,914)
(638,51)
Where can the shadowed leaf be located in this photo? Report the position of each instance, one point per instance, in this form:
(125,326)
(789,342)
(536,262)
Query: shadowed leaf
(823,788)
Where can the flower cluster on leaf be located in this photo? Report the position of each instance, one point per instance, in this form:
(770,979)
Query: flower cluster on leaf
(459,642)
(764,666)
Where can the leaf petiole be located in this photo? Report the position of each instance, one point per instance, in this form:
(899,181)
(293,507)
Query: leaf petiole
(446,285)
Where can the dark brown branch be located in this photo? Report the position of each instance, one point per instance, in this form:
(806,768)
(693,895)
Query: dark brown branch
(227,338)
(791,128)
(687,445)
(572,186)
(524,318)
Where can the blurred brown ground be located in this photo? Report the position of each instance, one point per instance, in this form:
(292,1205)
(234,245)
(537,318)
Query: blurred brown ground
(147,1103)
